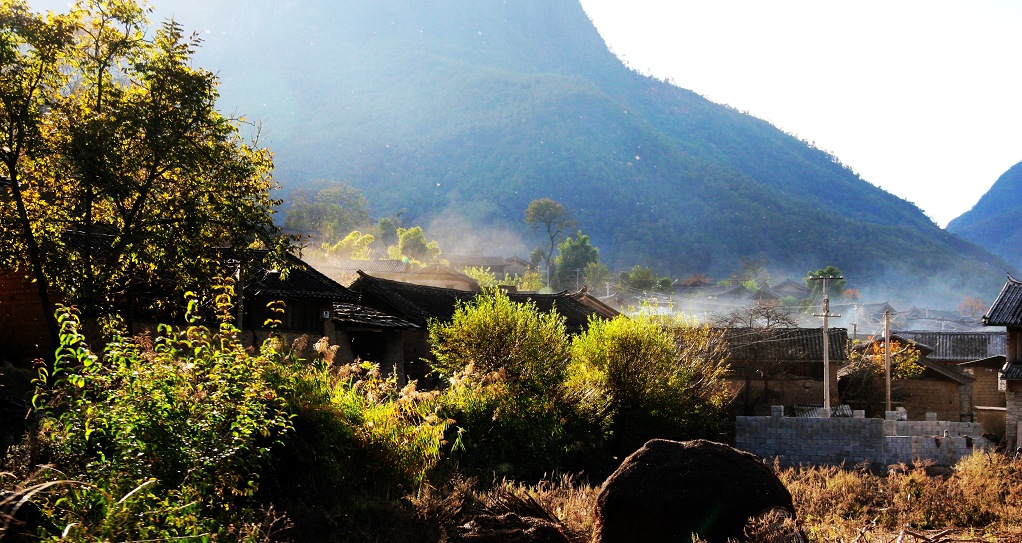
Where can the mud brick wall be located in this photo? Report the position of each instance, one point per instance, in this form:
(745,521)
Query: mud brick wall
(850,441)
(984,389)
(931,396)
(23,333)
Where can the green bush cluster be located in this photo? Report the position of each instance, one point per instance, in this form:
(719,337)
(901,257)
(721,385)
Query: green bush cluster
(159,439)
(189,435)
(529,399)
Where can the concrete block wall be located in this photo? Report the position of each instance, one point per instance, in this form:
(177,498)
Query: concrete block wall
(850,441)
(810,441)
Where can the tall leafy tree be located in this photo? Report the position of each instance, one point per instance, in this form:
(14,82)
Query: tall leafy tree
(551,218)
(31,51)
(573,260)
(413,245)
(124,176)
(835,286)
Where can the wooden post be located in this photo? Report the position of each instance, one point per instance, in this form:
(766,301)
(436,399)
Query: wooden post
(887,354)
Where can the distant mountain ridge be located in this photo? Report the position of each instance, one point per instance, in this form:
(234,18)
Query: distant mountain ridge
(995,222)
(477,107)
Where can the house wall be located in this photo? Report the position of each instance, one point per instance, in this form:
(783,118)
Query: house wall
(23,332)
(416,355)
(1014,344)
(1013,414)
(756,396)
(991,419)
(933,396)
(850,441)
(984,389)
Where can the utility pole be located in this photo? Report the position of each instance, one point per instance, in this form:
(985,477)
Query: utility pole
(855,322)
(887,354)
(826,338)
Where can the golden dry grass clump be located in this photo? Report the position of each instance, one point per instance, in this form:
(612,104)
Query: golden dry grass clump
(979,500)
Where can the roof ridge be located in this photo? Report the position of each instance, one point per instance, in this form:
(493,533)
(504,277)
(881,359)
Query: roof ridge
(378,283)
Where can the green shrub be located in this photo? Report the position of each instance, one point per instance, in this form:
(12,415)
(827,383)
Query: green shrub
(643,377)
(504,363)
(160,439)
(492,333)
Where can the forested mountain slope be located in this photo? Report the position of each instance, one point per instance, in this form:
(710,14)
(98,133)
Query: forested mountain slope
(477,107)
(995,222)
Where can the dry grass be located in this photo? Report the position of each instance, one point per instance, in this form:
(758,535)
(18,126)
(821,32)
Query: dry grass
(979,500)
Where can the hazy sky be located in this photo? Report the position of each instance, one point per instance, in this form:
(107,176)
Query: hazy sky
(923,98)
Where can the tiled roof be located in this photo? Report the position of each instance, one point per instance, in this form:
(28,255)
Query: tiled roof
(357,315)
(1013,372)
(959,346)
(576,314)
(996,361)
(948,372)
(784,344)
(464,261)
(301,282)
(924,349)
(419,303)
(342,265)
(1007,308)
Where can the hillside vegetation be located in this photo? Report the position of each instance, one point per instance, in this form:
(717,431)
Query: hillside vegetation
(995,222)
(477,108)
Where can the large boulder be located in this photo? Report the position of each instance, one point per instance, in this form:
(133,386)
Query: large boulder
(668,490)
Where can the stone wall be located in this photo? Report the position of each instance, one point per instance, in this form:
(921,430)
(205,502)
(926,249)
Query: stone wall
(851,441)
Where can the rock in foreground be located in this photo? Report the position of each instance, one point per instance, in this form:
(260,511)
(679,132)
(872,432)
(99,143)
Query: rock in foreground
(668,490)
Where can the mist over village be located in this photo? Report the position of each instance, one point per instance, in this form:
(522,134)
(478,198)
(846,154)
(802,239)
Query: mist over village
(473,271)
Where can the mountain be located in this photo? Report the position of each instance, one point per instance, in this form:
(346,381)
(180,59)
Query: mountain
(995,222)
(463,111)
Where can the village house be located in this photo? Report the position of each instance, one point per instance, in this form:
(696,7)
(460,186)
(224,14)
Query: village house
(952,348)
(1007,311)
(308,298)
(782,366)
(942,388)
(435,275)
(496,265)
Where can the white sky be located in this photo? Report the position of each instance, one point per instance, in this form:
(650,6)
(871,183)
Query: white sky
(923,98)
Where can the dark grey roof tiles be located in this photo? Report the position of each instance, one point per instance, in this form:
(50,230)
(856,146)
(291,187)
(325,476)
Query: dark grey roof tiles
(1007,308)
(357,315)
(301,282)
(419,303)
(790,344)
